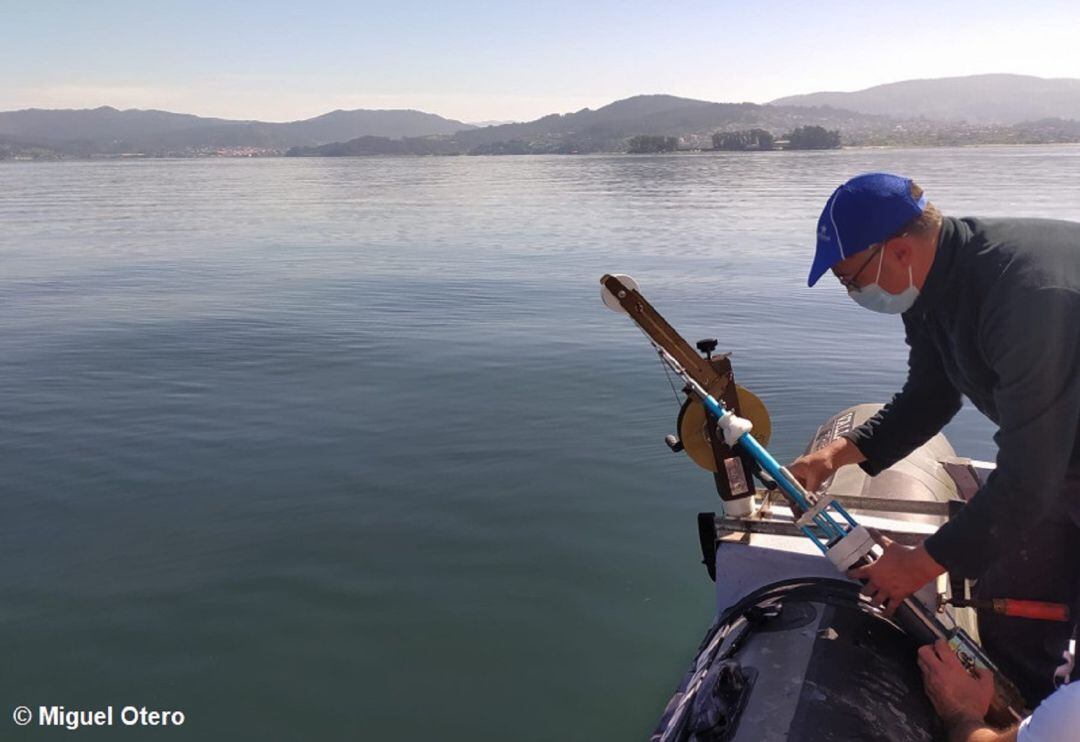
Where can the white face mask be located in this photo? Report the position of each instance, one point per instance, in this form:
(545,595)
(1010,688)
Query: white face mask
(876,299)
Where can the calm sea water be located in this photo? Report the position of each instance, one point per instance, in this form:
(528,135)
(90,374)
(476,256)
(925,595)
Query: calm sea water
(349,448)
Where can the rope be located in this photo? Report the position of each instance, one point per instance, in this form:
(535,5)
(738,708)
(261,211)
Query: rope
(663,365)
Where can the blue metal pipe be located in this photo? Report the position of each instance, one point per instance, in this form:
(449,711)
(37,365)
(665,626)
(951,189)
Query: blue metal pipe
(813,537)
(760,454)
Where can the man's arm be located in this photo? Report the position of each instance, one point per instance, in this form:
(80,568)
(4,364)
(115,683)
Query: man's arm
(919,411)
(927,401)
(1032,343)
(960,699)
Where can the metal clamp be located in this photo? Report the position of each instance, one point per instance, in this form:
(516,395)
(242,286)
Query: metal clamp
(821,502)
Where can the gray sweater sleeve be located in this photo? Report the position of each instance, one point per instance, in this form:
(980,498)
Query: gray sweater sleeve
(1032,342)
(921,409)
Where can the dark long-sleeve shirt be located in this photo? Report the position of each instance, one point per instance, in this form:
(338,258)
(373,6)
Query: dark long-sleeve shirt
(998,321)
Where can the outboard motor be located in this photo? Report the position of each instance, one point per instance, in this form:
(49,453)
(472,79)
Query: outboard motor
(919,477)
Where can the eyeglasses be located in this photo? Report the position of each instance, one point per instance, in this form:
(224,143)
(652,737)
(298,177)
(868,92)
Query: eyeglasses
(849,282)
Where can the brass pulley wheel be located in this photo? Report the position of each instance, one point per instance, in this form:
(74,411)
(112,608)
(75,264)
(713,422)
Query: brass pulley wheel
(695,438)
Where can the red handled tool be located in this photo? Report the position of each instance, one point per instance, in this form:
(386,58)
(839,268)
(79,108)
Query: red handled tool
(1036,609)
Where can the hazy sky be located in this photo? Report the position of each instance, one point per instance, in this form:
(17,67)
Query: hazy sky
(474,60)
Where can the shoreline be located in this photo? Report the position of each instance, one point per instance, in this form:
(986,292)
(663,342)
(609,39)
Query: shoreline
(127,157)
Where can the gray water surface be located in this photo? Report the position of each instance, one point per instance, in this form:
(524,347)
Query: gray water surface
(349,448)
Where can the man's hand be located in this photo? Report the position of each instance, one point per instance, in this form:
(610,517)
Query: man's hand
(814,468)
(960,699)
(811,470)
(896,574)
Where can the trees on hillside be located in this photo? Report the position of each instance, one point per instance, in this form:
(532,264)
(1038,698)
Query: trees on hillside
(648,143)
(753,140)
(743,141)
(813,137)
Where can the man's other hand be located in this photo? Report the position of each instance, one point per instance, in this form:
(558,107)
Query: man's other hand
(896,574)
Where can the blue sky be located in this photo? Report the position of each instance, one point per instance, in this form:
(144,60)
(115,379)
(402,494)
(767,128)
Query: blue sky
(500,60)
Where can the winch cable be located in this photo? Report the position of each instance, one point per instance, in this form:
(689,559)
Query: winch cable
(667,371)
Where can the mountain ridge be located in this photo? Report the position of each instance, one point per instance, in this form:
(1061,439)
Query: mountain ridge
(107,131)
(995,98)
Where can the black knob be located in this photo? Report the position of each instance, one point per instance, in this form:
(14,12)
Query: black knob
(673,443)
(707,346)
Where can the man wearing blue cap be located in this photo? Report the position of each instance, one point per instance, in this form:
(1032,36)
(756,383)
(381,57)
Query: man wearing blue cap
(991,311)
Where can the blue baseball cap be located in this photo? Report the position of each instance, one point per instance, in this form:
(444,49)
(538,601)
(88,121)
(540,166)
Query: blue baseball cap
(866,210)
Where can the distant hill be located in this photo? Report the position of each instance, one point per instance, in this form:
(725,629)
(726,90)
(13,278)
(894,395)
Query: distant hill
(396,124)
(96,124)
(983,109)
(987,99)
(693,122)
(107,130)
(607,129)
